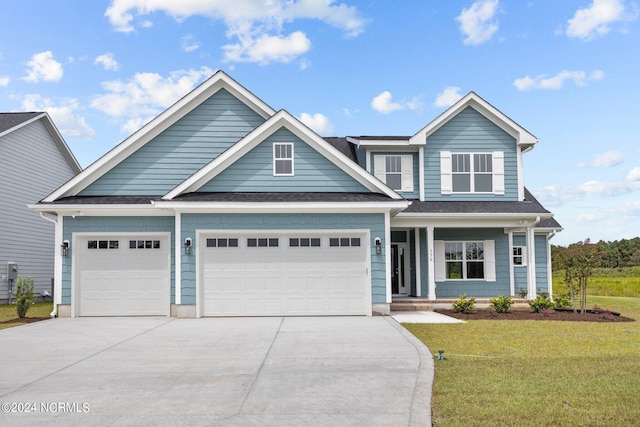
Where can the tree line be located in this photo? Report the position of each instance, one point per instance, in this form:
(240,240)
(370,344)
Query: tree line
(616,254)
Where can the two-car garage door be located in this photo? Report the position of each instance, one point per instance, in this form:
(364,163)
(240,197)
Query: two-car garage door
(122,275)
(284,273)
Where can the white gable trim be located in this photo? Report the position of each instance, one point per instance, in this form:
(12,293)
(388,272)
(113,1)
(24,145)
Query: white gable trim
(259,134)
(159,124)
(522,136)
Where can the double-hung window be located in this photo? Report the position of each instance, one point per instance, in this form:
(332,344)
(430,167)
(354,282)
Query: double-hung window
(282,159)
(472,172)
(519,256)
(464,260)
(394,170)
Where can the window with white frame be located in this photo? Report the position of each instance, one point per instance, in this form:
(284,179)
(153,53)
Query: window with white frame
(472,172)
(519,256)
(464,260)
(282,159)
(395,170)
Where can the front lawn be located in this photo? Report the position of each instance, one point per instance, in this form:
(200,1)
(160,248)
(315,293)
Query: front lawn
(537,373)
(9,317)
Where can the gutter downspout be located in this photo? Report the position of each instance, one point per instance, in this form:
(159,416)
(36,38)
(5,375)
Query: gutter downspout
(56,266)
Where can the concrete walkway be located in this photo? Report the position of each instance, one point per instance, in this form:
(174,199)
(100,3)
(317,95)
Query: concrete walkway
(317,371)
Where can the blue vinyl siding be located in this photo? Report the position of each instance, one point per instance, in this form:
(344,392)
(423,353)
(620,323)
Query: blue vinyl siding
(373,222)
(415,194)
(470,132)
(542,279)
(87,224)
(254,171)
(181,150)
(477,288)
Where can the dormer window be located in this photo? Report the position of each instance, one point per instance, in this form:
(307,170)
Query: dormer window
(283,159)
(394,170)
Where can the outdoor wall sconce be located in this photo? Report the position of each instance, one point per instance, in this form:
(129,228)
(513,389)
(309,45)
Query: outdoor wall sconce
(64,248)
(378,243)
(187,246)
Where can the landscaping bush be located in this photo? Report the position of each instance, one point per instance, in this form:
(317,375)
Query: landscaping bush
(25,295)
(540,303)
(501,303)
(562,301)
(464,305)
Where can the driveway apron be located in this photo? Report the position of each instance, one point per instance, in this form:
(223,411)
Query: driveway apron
(273,371)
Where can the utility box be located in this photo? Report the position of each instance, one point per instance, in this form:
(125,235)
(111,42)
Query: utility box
(12,271)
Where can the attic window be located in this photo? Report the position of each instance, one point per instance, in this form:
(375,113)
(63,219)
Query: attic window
(283,159)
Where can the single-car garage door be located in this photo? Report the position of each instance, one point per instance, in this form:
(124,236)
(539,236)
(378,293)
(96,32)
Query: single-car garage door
(284,274)
(122,275)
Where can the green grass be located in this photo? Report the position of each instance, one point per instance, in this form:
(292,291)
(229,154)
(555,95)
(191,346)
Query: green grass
(8,312)
(608,285)
(537,373)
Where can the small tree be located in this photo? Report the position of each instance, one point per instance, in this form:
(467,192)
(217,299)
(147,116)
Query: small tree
(25,295)
(578,260)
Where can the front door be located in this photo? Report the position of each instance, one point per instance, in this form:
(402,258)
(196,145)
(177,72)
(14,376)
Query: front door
(398,279)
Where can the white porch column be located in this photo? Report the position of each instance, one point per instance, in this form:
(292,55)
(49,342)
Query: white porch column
(387,254)
(418,262)
(432,265)
(512,286)
(531,263)
(178,258)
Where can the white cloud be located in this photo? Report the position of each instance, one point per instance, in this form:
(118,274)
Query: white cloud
(64,115)
(256,25)
(580,78)
(555,195)
(477,23)
(383,104)
(42,66)
(146,94)
(634,175)
(595,20)
(107,61)
(604,160)
(4,81)
(189,44)
(318,122)
(266,48)
(449,96)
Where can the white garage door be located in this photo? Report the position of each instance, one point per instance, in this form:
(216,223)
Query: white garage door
(122,275)
(284,274)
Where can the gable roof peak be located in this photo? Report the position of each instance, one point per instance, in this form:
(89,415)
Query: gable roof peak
(471,99)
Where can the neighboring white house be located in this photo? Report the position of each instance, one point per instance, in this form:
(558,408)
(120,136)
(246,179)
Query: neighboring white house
(34,160)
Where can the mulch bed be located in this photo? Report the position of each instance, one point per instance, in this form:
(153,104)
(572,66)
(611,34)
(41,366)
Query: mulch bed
(25,320)
(570,316)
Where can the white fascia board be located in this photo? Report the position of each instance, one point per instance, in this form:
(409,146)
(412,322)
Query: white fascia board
(101,210)
(282,207)
(262,132)
(159,124)
(382,143)
(496,220)
(522,136)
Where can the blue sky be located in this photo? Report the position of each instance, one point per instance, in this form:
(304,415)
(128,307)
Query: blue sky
(568,71)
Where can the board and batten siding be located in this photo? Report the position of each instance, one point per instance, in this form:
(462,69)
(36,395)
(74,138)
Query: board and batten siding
(254,171)
(182,149)
(31,167)
(470,132)
(264,222)
(115,224)
(477,288)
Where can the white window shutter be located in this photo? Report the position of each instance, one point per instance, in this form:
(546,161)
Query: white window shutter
(446,180)
(407,172)
(438,249)
(379,167)
(498,172)
(490,260)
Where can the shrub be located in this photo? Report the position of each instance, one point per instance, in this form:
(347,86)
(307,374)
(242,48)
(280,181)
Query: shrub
(25,295)
(562,301)
(540,303)
(501,303)
(464,305)
(522,293)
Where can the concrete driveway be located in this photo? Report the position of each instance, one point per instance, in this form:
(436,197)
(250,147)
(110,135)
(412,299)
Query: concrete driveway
(293,371)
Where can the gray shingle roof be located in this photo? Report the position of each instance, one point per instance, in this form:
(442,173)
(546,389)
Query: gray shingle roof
(9,120)
(343,146)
